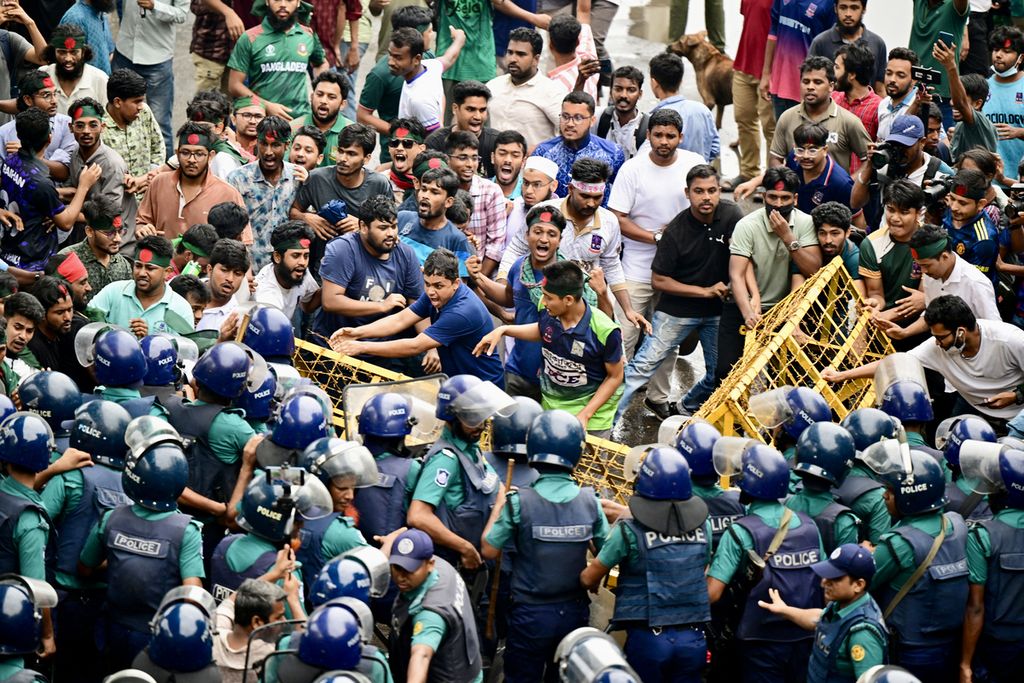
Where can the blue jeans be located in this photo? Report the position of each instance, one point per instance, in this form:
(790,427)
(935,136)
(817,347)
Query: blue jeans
(349,111)
(669,333)
(675,655)
(159,92)
(534,632)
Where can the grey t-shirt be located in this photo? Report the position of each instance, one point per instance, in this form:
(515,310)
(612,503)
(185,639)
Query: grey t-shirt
(110,186)
(827,43)
(19,47)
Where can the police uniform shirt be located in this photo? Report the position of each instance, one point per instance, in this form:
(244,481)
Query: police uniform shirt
(123,394)
(732,548)
(814,502)
(870,506)
(9,666)
(229,432)
(553,487)
(64,493)
(623,547)
(862,648)
(31,532)
(979,544)
(244,552)
(190,556)
(441,476)
(894,556)
(341,536)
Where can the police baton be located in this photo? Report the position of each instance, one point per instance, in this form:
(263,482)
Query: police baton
(492,606)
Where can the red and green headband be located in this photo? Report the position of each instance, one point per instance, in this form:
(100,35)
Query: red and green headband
(106,223)
(148,256)
(67,42)
(291,243)
(86,111)
(930,250)
(203,139)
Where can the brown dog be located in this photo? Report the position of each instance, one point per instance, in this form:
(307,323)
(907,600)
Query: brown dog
(713,69)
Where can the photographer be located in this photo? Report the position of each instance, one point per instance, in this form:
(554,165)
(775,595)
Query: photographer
(901,156)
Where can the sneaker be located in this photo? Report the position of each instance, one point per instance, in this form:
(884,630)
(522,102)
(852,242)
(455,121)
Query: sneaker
(662,411)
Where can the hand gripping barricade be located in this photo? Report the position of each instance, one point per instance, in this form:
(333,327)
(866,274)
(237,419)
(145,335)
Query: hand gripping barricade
(588,655)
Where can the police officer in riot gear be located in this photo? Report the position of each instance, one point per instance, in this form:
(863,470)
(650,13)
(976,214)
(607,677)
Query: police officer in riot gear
(332,641)
(270,334)
(590,656)
(662,553)
(789,411)
(508,442)
(149,547)
(860,490)
(303,416)
(181,647)
(457,485)
(259,403)
(824,454)
(53,396)
(552,523)
(961,497)
(787,542)
(23,602)
(696,441)
(118,365)
(165,360)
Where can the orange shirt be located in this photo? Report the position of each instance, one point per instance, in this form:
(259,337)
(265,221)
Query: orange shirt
(164,205)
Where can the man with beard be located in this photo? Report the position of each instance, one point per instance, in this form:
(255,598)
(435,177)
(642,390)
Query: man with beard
(87,127)
(45,345)
(429,228)
(145,304)
(68,54)
(229,262)
(268,186)
(348,181)
(622,122)
(539,183)
(308,147)
(68,268)
(100,251)
(37,89)
(507,159)
(524,99)
(405,143)
(91,16)
(23,313)
(469,113)
(646,198)
(487,220)
(854,70)
(330,94)
(273,59)
(900,89)
(369,274)
(832,221)
(248,112)
(849,29)
(184,197)
(285,283)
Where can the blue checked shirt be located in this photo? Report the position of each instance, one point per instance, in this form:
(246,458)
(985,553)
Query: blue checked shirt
(97,32)
(591,146)
(267,204)
(699,132)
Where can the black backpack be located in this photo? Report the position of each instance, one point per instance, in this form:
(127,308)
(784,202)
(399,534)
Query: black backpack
(604,124)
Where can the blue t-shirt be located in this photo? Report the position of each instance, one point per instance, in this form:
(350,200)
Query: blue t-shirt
(458,327)
(525,359)
(977,242)
(1005,104)
(424,241)
(28,191)
(833,185)
(366,278)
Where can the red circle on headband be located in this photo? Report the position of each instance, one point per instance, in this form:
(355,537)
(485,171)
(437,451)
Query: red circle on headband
(78,113)
(401,132)
(48,82)
(434,163)
(960,190)
(145,255)
(780,186)
(117,222)
(546,216)
(270,137)
(304,243)
(69,43)
(1008,43)
(192,139)
(198,116)
(913,252)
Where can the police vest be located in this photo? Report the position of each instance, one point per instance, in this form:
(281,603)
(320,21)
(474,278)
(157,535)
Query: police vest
(932,612)
(310,552)
(139,407)
(957,499)
(667,586)
(552,540)
(142,564)
(457,659)
(1004,588)
(522,476)
(382,507)
(723,510)
(101,491)
(291,669)
(829,637)
(855,487)
(11,509)
(224,580)
(789,572)
(467,521)
(826,522)
(208,475)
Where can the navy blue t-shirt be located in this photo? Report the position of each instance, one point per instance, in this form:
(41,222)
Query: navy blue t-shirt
(458,327)
(525,359)
(424,241)
(366,278)
(833,185)
(977,242)
(28,191)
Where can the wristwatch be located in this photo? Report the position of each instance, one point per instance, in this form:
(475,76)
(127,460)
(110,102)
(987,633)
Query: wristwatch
(657,237)
(794,245)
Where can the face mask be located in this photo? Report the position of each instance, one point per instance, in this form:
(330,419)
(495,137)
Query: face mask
(784,211)
(958,344)
(1012,71)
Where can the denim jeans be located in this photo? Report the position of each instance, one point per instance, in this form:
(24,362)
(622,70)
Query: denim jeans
(676,654)
(159,92)
(349,111)
(669,333)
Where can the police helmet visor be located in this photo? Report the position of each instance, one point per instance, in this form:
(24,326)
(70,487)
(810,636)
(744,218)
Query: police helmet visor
(727,455)
(944,429)
(898,367)
(772,407)
(586,653)
(187,350)
(347,459)
(316,392)
(422,392)
(147,431)
(979,463)
(42,594)
(669,428)
(190,594)
(483,402)
(361,611)
(85,342)
(888,457)
(377,566)
(311,498)
(129,676)
(634,458)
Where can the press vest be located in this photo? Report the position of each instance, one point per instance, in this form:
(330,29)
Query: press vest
(552,540)
(467,521)
(789,572)
(926,616)
(101,491)
(830,636)
(142,564)
(457,659)
(382,507)
(667,586)
(208,475)
(1004,589)
(723,510)
(224,579)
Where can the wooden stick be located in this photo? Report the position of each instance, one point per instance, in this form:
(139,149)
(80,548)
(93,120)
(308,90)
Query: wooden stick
(492,607)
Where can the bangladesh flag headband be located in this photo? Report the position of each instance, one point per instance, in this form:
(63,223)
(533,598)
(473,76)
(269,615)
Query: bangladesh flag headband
(106,223)
(203,139)
(930,250)
(86,111)
(148,256)
(294,243)
(67,42)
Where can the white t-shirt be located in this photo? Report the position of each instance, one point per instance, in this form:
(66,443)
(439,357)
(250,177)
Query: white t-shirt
(651,196)
(423,96)
(997,367)
(968,283)
(214,316)
(271,293)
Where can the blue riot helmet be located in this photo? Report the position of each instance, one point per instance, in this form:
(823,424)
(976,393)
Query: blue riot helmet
(587,655)
(342,677)
(302,418)
(161,360)
(228,368)
(663,497)
(825,450)
(270,334)
(21,603)
(273,498)
(616,676)
(696,441)
(387,415)
(330,458)
(1011,470)
(119,361)
(6,407)
(923,490)
(901,389)
(870,425)
(258,403)
(99,429)
(471,400)
(183,630)
(994,468)
(762,470)
(156,471)
(508,433)
(953,431)
(51,395)
(332,639)
(887,673)
(792,408)
(556,438)
(26,441)
(341,577)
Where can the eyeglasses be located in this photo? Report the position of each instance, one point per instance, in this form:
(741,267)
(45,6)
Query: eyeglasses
(465,158)
(47,95)
(535,184)
(189,154)
(251,115)
(92,124)
(111,232)
(806,151)
(573,118)
(405,143)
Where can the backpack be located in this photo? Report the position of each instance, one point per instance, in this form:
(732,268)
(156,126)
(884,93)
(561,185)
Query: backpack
(604,124)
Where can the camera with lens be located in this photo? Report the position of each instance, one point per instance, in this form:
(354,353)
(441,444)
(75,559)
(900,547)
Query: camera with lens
(883,154)
(1015,207)
(937,190)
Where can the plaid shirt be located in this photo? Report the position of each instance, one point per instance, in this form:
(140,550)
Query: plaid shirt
(487,224)
(210,37)
(865,109)
(267,204)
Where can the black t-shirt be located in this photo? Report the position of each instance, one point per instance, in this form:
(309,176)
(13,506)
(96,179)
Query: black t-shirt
(27,190)
(696,254)
(46,351)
